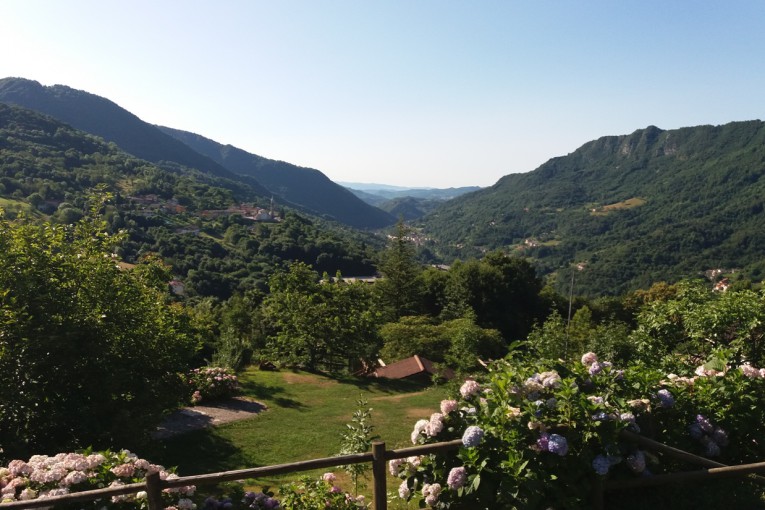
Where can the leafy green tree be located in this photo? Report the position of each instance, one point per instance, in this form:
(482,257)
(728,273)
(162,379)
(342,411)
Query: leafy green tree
(90,353)
(503,292)
(238,333)
(399,292)
(469,342)
(412,335)
(696,321)
(318,324)
(457,343)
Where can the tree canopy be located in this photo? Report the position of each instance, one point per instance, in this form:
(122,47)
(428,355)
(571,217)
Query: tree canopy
(90,353)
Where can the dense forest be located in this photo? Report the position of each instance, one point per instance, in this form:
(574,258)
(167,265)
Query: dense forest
(48,169)
(631,210)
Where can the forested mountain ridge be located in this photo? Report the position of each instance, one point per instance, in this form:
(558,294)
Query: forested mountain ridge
(652,205)
(104,118)
(189,219)
(306,187)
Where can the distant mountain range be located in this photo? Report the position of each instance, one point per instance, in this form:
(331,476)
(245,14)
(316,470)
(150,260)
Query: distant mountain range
(303,188)
(407,203)
(619,213)
(630,210)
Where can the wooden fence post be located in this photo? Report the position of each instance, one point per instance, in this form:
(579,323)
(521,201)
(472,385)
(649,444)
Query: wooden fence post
(379,474)
(154,491)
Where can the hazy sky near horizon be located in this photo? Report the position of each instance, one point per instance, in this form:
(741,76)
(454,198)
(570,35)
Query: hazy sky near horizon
(407,92)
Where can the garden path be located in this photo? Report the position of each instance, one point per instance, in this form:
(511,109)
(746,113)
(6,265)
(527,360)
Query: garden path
(207,415)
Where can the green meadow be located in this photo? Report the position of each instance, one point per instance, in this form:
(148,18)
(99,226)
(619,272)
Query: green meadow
(305,417)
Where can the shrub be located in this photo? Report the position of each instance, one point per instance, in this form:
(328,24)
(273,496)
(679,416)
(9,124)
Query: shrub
(212,383)
(537,434)
(43,476)
(309,494)
(90,353)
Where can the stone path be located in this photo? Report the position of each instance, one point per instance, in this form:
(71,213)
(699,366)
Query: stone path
(208,415)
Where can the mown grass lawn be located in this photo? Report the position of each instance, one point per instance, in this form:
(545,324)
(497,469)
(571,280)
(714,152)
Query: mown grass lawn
(305,418)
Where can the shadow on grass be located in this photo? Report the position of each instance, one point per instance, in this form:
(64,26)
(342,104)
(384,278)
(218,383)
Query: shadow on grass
(270,393)
(199,452)
(384,385)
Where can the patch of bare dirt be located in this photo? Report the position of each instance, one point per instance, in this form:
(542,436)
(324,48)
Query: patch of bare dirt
(419,412)
(402,396)
(208,415)
(290,378)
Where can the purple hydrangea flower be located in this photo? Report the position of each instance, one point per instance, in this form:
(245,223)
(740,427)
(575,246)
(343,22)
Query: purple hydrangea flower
(665,398)
(557,444)
(457,477)
(596,368)
(543,441)
(695,430)
(705,424)
(601,464)
(472,436)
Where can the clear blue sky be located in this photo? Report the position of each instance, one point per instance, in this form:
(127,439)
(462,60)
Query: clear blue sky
(408,92)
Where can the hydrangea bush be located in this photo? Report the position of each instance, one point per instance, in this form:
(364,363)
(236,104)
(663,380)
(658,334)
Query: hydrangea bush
(538,434)
(212,383)
(318,494)
(43,476)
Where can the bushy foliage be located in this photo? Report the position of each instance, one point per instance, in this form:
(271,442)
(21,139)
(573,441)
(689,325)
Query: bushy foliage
(458,342)
(212,383)
(318,324)
(537,434)
(90,353)
(42,476)
(357,438)
(323,493)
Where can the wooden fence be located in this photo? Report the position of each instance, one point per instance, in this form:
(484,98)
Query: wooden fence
(154,486)
(379,457)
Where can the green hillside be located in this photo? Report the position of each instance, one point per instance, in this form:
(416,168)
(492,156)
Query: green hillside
(305,187)
(302,188)
(652,205)
(48,169)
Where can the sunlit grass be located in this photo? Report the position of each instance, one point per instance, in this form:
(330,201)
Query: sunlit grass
(306,414)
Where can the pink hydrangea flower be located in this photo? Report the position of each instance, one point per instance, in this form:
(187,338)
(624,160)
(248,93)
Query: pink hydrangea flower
(457,477)
(435,424)
(589,358)
(394,466)
(403,490)
(469,388)
(447,406)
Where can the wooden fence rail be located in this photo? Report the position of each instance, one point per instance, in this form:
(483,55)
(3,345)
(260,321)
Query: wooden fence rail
(153,486)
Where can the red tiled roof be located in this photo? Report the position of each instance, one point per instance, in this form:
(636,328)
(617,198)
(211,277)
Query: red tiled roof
(409,367)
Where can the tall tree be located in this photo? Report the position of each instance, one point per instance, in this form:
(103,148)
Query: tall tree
(502,291)
(400,291)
